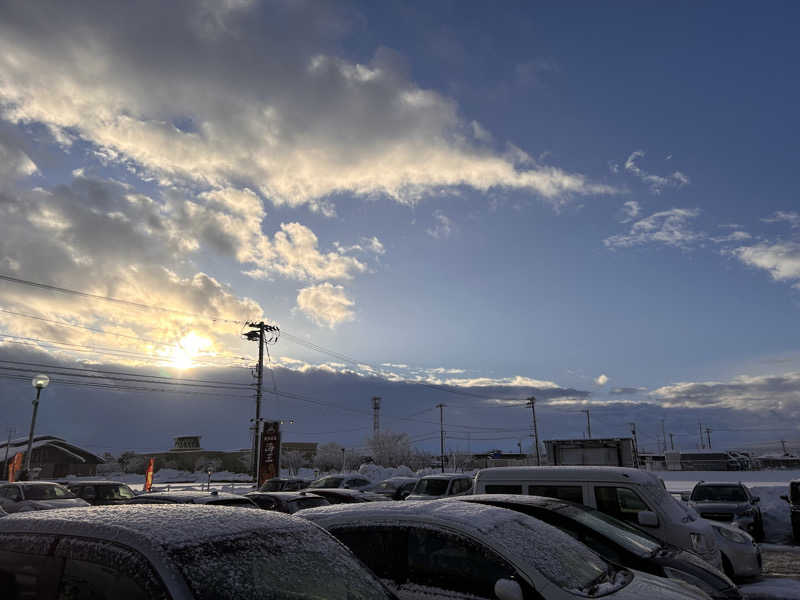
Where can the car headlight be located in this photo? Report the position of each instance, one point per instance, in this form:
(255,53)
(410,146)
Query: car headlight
(690,579)
(696,540)
(733,536)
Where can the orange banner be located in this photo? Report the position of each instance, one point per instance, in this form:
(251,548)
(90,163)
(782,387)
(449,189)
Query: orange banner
(148,476)
(13,466)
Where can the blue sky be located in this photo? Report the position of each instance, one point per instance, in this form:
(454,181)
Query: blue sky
(594,198)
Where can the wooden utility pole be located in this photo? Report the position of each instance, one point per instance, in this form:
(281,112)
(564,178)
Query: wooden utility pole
(258,335)
(441,433)
(588,424)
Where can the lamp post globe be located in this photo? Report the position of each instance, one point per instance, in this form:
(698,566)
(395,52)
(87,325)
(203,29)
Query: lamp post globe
(39,382)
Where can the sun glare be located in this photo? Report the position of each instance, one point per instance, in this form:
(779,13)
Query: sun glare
(184,354)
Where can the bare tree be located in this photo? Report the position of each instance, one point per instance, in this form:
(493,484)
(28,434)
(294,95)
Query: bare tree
(328,457)
(292,460)
(390,449)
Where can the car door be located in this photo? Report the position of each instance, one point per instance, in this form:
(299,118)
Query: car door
(28,571)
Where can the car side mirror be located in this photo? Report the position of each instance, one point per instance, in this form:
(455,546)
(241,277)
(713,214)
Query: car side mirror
(685,496)
(508,589)
(647,518)
(785,498)
(756,499)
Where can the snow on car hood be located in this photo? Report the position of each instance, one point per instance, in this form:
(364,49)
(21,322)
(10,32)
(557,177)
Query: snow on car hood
(650,586)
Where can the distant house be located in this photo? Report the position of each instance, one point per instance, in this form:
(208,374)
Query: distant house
(54,457)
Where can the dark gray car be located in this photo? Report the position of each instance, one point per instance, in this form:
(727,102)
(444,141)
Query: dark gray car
(37,495)
(730,503)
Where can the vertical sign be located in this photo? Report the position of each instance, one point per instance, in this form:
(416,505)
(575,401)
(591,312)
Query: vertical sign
(148,475)
(270,459)
(14,465)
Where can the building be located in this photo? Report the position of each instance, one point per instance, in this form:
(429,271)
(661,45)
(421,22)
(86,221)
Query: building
(54,457)
(616,452)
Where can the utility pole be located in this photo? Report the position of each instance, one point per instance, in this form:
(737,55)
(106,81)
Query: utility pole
(441,432)
(783,444)
(376,416)
(663,437)
(700,435)
(635,444)
(671,441)
(344,463)
(258,335)
(532,404)
(588,424)
(708,434)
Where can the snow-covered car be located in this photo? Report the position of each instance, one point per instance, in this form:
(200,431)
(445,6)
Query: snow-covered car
(286,502)
(350,482)
(741,555)
(627,494)
(343,496)
(729,503)
(100,493)
(212,498)
(284,484)
(460,550)
(395,488)
(617,541)
(441,486)
(37,495)
(173,552)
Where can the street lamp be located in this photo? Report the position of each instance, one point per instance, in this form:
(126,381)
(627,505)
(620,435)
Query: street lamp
(39,382)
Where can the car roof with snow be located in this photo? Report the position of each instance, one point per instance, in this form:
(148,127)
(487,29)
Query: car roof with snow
(447,476)
(187,496)
(31,483)
(288,495)
(567,473)
(94,482)
(164,525)
(719,483)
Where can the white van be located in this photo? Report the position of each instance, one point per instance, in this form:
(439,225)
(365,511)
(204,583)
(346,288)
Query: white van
(445,485)
(628,494)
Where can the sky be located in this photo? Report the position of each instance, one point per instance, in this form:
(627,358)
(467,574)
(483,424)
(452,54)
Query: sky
(450,202)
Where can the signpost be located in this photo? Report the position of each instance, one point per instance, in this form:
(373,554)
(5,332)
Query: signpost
(270,459)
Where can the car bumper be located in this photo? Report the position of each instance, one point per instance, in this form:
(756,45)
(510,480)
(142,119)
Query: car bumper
(745,559)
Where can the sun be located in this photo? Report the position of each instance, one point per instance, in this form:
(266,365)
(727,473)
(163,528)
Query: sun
(188,348)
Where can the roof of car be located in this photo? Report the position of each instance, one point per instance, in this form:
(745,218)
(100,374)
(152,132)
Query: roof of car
(95,482)
(566,473)
(141,526)
(725,483)
(510,499)
(400,479)
(191,496)
(31,483)
(286,495)
(447,476)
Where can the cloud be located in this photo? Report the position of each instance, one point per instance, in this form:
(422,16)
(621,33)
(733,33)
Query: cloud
(248,95)
(625,391)
(783,216)
(656,182)
(14,163)
(443,227)
(734,236)
(780,259)
(669,227)
(601,379)
(630,210)
(754,394)
(326,304)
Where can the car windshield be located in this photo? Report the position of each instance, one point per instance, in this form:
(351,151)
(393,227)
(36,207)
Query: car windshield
(387,486)
(46,492)
(114,492)
(431,487)
(327,482)
(627,536)
(294,505)
(275,565)
(718,493)
(273,485)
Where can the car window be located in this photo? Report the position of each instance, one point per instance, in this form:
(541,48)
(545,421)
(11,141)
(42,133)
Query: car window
(115,492)
(11,492)
(382,548)
(301,503)
(358,482)
(102,570)
(431,487)
(437,559)
(273,485)
(291,565)
(573,493)
(327,482)
(25,569)
(718,493)
(46,492)
(86,491)
(503,489)
(461,485)
(622,503)
(240,502)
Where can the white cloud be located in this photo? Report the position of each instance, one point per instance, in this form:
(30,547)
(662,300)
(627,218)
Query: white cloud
(783,216)
(630,210)
(443,227)
(760,393)
(326,304)
(248,97)
(656,182)
(601,379)
(669,227)
(780,259)
(14,163)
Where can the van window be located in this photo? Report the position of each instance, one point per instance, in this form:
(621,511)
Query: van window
(572,493)
(623,503)
(503,489)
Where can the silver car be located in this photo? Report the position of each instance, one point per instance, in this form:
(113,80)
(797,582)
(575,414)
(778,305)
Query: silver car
(729,503)
(741,555)
(37,495)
